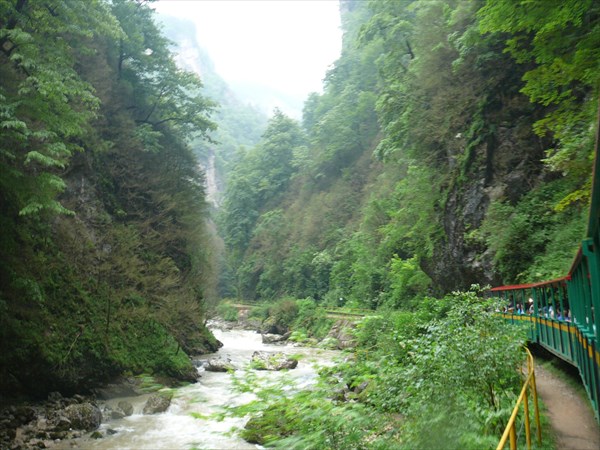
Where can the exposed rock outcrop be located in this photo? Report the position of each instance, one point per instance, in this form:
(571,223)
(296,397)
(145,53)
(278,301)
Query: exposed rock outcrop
(341,332)
(505,166)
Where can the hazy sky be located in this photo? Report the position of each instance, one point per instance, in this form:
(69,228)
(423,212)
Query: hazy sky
(285,44)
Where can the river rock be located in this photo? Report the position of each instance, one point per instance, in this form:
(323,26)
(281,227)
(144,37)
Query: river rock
(38,426)
(270,326)
(189,374)
(158,403)
(122,387)
(272,361)
(218,365)
(61,423)
(18,415)
(116,414)
(269,338)
(83,416)
(126,407)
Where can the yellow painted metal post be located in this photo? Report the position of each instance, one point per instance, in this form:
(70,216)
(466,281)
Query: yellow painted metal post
(513,437)
(510,433)
(527,424)
(536,410)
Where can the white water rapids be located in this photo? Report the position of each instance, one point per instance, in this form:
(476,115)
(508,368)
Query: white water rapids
(192,421)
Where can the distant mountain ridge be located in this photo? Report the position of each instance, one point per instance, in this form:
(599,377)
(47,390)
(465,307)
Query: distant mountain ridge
(192,56)
(240,123)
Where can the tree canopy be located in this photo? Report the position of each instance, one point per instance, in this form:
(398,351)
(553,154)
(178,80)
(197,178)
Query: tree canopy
(107,264)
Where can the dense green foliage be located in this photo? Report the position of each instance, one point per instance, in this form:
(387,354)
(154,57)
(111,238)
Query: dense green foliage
(227,311)
(303,320)
(105,258)
(429,378)
(452,145)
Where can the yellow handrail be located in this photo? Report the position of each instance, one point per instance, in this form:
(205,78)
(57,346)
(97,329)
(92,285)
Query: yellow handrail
(511,432)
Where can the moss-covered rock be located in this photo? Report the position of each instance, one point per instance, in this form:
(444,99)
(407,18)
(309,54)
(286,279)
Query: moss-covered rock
(83,416)
(272,361)
(270,425)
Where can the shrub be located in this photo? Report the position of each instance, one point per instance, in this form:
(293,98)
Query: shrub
(260,311)
(283,312)
(227,312)
(311,319)
(444,376)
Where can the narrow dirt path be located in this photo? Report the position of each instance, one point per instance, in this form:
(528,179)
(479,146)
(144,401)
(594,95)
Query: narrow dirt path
(570,415)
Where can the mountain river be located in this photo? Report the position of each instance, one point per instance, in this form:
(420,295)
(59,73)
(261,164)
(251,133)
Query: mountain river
(198,417)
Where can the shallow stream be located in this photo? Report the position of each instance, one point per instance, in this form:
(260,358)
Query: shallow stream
(198,416)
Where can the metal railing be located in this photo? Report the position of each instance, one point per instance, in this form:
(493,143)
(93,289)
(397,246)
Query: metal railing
(510,433)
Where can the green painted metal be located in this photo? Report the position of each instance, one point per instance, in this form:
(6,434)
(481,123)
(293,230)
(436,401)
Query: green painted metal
(572,340)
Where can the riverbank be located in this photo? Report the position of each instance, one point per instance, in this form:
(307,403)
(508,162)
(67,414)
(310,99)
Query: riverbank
(204,414)
(44,424)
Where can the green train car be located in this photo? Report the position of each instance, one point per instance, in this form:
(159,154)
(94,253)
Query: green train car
(562,317)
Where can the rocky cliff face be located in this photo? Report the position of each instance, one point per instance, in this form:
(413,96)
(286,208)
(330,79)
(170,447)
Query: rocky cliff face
(505,167)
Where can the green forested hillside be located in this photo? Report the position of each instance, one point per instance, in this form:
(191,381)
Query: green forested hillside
(106,262)
(452,145)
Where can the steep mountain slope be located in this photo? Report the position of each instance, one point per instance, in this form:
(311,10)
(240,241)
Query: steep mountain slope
(430,161)
(106,262)
(239,124)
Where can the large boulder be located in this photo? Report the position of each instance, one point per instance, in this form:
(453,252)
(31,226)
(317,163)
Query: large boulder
(272,361)
(158,403)
(123,409)
(272,326)
(218,365)
(269,338)
(81,416)
(126,407)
